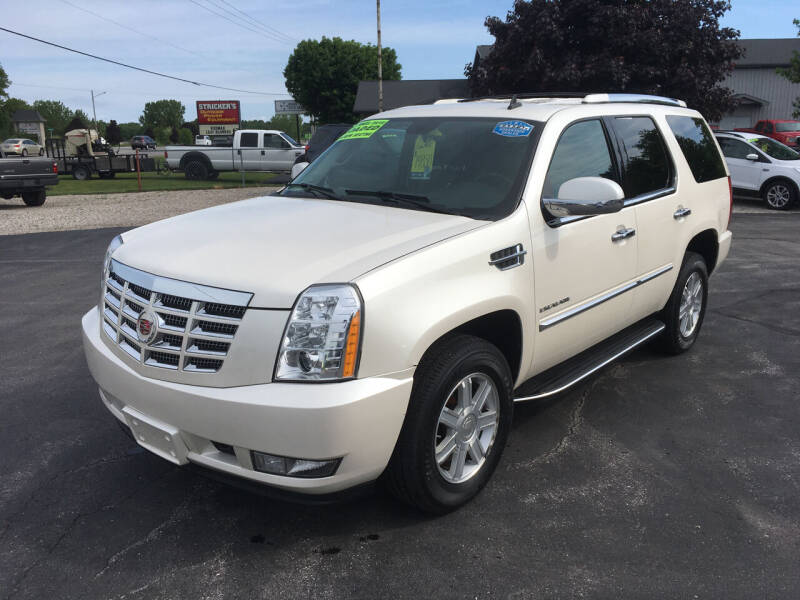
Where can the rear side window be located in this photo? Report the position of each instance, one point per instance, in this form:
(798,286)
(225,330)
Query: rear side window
(645,164)
(249,140)
(698,147)
(582,151)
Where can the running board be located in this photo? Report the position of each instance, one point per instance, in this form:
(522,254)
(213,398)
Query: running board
(571,371)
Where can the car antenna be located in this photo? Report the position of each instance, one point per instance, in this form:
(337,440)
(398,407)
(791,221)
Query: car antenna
(514,103)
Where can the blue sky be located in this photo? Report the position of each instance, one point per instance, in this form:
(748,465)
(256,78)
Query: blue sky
(433,38)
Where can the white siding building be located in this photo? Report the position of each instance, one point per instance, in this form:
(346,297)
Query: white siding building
(762,93)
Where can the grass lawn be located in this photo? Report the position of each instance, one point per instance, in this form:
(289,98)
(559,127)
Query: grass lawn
(154,182)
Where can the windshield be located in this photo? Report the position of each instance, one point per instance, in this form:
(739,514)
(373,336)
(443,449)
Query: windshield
(774,149)
(786,127)
(289,139)
(474,167)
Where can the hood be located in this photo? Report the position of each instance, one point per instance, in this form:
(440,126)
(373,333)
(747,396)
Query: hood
(276,246)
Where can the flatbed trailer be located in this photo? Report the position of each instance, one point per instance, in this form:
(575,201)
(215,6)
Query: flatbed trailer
(105,165)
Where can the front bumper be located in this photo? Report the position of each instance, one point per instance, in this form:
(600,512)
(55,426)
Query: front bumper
(357,420)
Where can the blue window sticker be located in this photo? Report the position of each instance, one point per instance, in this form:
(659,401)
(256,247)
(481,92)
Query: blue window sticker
(513,129)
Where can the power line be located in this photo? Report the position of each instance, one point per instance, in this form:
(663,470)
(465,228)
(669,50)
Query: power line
(115,62)
(247,27)
(261,24)
(143,93)
(136,31)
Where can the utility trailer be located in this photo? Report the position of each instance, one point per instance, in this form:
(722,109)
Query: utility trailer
(105,165)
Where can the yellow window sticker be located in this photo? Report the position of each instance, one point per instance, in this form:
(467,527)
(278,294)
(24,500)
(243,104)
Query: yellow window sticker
(364,130)
(422,161)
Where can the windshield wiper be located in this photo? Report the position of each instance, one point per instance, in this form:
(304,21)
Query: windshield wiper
(417,201)
(325,192)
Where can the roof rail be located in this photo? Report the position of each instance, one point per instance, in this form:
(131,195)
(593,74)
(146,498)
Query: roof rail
(643,98)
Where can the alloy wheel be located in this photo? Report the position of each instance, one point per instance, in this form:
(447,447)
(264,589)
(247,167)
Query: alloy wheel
(691,305)
(466,428)
(778,196)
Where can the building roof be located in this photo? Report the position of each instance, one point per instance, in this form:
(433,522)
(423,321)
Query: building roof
(407,92)
(767,52)
(27,116)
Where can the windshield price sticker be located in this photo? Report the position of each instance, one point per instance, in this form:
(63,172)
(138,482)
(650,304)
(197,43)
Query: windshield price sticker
(364,130)
(422,161)
(513,129)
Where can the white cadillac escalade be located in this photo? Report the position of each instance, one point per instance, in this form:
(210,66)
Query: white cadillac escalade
(379,316)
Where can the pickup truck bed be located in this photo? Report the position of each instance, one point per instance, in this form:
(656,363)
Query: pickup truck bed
(27,178)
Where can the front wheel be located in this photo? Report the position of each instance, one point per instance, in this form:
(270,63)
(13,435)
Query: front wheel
(81,173)
(779,195)
(194,169)
(24,152)
(456,425)
(34,198)
(684,313)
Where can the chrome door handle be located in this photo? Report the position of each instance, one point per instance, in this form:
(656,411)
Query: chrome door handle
(682,212)
(623,234)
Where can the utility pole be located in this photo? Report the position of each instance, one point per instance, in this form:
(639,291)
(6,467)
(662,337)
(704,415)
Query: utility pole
(94,112)
(380,65)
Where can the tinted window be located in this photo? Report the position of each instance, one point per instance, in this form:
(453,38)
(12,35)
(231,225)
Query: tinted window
(274,141)
(645,165)
(249,140)
(469,166)
(734,148)
(786,127)
(698,147)
(582,151)
(768,127)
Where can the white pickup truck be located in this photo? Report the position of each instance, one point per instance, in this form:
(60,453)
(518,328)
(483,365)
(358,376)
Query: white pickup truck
(252,150)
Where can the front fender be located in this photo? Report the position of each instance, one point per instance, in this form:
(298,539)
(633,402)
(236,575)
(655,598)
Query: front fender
(415,300)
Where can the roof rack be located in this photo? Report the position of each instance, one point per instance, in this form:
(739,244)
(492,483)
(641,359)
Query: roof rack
(587,98)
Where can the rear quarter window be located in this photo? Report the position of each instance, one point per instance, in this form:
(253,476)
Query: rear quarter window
(698,147)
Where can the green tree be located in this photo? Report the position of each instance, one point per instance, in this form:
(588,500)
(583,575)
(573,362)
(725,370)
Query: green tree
(792,72)
(128,130)
(4,83)
(185,137)
(113,133)
(323,75)
(55,113)
(162,113)
(671,48)
(7,110)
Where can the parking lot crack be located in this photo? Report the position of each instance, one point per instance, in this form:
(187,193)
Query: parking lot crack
(776,328)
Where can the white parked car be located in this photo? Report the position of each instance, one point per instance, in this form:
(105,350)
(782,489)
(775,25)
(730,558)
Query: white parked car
(762,167)
(379,316)
(203,140)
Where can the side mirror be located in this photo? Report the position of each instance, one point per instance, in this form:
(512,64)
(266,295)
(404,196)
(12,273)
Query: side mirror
(298,168)
(752,156)
(584,196)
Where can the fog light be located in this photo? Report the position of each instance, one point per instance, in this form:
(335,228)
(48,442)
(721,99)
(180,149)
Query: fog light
(293,467)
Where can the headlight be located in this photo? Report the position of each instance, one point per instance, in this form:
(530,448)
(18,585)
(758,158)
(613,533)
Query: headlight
(115,243)
(322,340)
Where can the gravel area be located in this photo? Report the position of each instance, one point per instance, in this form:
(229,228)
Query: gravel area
(95,211)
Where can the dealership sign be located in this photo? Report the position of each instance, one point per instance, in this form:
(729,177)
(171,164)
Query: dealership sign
(289,107)
(218,117)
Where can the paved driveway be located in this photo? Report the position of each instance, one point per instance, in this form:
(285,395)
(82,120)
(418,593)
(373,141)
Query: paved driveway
(659,478)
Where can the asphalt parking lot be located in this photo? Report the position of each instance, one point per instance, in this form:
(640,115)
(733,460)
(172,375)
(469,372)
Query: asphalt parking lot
(658,478)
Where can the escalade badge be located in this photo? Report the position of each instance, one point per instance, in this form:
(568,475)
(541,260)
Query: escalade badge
(146,327)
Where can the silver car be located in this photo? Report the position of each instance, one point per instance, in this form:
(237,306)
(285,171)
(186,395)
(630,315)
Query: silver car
(22,146)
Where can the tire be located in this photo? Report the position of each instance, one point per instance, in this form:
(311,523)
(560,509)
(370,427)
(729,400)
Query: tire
(779,194)
(414,474)
(34,198)
(213,175)
(24,152)
(684,313)
(81,173)
(195,169)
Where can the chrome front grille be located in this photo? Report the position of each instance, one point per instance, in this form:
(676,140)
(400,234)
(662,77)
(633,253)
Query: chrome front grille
(195,324)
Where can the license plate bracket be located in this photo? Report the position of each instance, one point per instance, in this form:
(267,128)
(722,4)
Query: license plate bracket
(157,437)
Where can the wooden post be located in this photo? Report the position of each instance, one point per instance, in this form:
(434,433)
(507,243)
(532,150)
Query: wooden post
(138,171)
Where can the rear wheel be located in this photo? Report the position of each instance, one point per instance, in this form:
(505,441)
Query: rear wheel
(779,195)
(213,175)
(456,426)
(81,173)
(195,169)
(34,198)
(684,313)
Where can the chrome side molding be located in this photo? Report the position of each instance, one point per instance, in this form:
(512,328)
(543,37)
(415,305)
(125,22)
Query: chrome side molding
(584,306)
